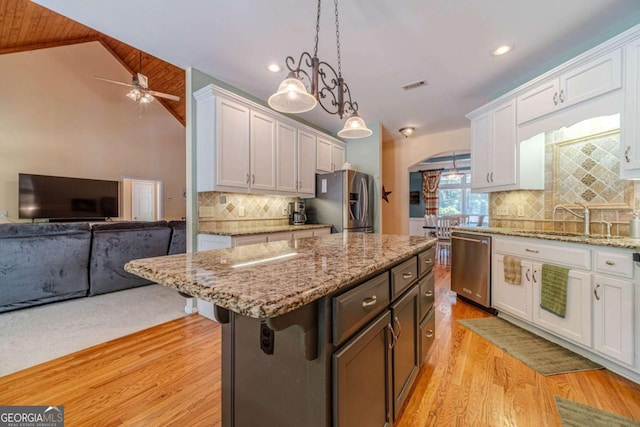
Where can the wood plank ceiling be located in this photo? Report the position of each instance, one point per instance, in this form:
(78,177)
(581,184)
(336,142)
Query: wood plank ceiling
(25,25)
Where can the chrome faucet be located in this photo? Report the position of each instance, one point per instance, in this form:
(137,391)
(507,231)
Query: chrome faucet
(585,216)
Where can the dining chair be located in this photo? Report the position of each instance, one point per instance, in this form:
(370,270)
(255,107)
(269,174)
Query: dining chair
(443,234)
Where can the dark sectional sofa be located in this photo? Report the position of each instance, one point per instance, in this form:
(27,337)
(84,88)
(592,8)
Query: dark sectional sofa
(42,263)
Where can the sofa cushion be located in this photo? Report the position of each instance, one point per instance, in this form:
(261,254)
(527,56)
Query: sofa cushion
(178,244)
(41,263)
(115,244)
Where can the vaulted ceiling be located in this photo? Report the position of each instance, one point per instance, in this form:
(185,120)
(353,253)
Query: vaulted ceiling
(25,25)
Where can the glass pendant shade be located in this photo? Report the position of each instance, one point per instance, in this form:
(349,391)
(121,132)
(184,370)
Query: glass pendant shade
(292,97)
(355,127)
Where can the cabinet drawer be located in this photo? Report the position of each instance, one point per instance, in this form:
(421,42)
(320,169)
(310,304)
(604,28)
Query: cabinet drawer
(403,275)
(355,308)
(617,263)
(559,254)
(426,260)
(427,335)
(427,296)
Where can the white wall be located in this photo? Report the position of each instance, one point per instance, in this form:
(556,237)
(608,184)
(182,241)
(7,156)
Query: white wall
(56,119)
(397,157)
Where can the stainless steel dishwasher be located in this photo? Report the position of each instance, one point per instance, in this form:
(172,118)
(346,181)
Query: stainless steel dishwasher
(471,267)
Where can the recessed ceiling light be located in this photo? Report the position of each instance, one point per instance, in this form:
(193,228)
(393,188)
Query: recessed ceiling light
(506,48)
(274,68)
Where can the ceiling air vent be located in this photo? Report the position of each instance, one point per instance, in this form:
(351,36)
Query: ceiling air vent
(414,85)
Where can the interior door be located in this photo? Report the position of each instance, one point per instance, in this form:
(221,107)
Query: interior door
(143,195)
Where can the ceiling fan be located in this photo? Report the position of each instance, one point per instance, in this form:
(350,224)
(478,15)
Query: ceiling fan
(140,91)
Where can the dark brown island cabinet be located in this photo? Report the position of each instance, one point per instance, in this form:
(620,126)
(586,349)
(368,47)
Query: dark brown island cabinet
(348,359)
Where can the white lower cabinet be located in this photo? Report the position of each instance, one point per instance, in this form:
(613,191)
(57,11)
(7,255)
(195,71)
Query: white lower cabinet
(576,325)
(603,307)
(513,299)
(613,318)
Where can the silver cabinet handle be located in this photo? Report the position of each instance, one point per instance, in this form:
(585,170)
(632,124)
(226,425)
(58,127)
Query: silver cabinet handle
(397,322)
(407,275)
(368,302)
(247,178)
(527,274)
(428,294)
(428,261)
(491,176)
(488,178)
(429,333)
(609,262)
(533,276)
(562,95)
(555,98)
(626,154)
(393,337)
(253,178)
(533,251)
(595,292)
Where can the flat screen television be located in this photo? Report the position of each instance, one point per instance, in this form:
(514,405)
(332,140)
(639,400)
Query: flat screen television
(62,198)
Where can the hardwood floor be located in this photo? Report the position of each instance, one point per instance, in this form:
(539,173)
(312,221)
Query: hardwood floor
(170,375)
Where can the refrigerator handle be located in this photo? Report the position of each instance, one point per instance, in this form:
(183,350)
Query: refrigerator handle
(365,200)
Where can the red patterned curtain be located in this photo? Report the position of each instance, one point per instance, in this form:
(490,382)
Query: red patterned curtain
(430,183)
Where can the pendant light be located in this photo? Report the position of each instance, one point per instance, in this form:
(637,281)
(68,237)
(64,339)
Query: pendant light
(454,172)
(327,88)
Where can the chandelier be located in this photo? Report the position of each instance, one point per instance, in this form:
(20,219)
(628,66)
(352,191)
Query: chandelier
(328,88)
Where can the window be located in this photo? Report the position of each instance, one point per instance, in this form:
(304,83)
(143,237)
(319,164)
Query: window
(455,197)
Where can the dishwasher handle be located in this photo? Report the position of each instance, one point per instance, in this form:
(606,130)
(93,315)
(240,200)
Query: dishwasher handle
(466,239)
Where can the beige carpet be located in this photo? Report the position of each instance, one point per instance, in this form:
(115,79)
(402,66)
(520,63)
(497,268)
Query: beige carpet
(34,335)
(574,414)
(536,352)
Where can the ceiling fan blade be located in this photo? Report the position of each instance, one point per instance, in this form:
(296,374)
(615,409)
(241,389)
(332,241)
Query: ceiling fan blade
(164,95)
(114,81)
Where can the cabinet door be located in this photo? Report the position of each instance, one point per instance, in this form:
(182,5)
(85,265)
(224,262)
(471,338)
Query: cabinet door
(630,125)
(338,157)
(538,101)
(513,299)
(594,78)
(576,325)
(205,141)
(503,138)
(361,378)
(613,318)
(232,144)
(405,315)
(286,158)
(306,164)
(480,151)
(263,152)
(323,155)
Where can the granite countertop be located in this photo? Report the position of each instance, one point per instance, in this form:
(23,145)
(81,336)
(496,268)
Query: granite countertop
(270,279)
(594,239)
(239,229)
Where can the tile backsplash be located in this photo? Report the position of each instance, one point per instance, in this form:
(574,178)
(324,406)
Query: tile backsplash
(217,206)
(578,168)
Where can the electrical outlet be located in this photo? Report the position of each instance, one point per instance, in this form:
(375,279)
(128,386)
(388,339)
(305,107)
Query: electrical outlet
(205,211)
(503,211)
(285,211)
(520,210)
(222,199)
(240,210)
(4,214)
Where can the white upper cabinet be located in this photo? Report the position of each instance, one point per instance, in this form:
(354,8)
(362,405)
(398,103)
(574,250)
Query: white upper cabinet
(286,145)
(330,155)
(306,164)
(493,148)
(593,78)
(244,147)
(263,152)
(630,120)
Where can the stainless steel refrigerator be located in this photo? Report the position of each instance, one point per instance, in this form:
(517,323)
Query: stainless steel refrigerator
(344,199)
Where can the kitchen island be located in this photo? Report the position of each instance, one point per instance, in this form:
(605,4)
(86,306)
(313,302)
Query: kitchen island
(296,313)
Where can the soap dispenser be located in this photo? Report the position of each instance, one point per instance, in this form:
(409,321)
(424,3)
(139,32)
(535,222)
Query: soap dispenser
(634,226)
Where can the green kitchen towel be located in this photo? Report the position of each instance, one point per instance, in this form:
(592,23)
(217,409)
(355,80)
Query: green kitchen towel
(553,290)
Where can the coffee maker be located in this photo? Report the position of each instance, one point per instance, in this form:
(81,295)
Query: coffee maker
(296,213)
